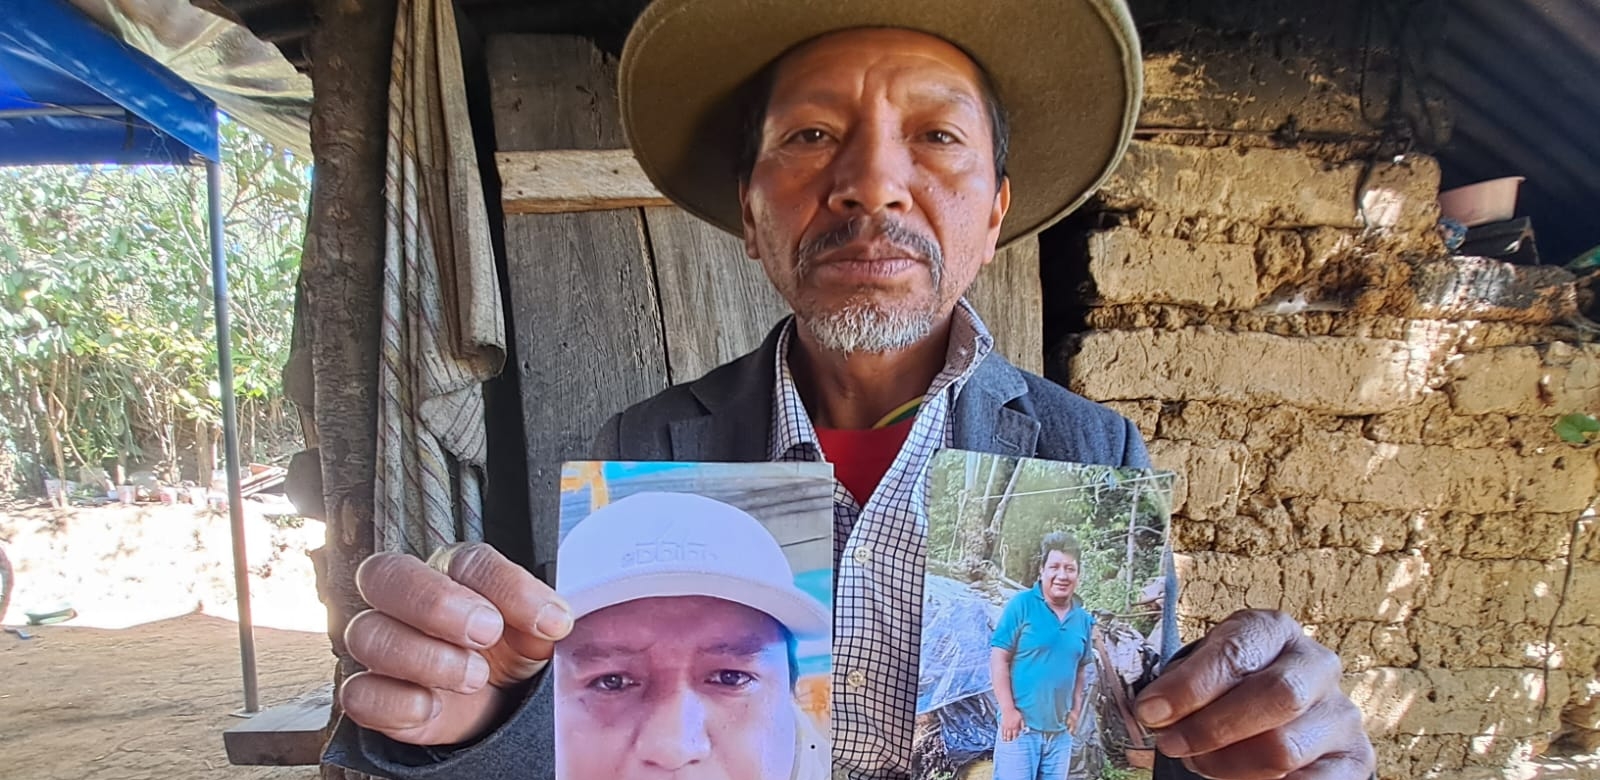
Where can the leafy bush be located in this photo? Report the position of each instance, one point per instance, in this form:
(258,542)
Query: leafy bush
(107,343)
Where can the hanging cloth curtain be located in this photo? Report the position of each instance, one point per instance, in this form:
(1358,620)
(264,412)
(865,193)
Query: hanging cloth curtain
(443,330)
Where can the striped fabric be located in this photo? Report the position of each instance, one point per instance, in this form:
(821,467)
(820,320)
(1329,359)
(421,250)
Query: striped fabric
(443,327)
(880,555)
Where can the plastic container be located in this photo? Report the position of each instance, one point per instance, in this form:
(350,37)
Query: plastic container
(1483,203)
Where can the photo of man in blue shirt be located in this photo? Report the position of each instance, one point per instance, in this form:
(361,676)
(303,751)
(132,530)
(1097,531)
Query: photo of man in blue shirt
(1038,654)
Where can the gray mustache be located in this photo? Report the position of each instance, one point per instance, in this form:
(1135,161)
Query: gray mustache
(895,232)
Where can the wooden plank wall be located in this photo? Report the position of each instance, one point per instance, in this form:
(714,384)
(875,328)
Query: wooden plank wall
(612,306)
(583,289)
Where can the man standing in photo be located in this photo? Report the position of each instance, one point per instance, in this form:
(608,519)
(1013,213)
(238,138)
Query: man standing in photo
(1037,657)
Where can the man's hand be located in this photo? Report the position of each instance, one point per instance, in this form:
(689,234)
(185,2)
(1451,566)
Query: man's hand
(1010,724)
(444,640)
(1256,699)
(1072,721)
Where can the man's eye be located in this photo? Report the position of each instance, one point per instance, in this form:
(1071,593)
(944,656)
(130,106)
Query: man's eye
(810,135)
(612,683)
(942,137)
(732,678)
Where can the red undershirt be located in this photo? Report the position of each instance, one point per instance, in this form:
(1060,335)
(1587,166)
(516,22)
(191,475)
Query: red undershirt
(861,458)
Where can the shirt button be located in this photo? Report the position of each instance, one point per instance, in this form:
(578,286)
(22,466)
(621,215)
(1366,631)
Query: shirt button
(856,679)
(863,555)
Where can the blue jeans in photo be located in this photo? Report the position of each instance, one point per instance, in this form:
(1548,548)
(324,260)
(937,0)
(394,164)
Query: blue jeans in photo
(1033,755)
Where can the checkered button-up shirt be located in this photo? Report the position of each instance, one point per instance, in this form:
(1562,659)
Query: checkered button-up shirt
(880,556)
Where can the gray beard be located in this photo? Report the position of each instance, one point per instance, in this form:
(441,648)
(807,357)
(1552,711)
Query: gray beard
(864,328)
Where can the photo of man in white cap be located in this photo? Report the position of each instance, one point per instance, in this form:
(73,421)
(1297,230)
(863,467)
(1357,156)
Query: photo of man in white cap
(682,657)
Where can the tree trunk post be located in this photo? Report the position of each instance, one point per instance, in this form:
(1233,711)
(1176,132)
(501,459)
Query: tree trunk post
(343,272)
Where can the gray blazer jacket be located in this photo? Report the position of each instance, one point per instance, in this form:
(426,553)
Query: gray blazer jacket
(726,416)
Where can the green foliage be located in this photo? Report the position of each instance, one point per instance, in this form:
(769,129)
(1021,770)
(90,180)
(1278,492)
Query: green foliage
(1118,773)
(107,342)
(1578,428)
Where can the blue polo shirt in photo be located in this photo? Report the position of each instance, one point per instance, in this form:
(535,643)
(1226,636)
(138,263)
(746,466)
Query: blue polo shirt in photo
(1046,652)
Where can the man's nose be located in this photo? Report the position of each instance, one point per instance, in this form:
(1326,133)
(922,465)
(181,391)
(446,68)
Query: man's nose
(871,173)
(674,734)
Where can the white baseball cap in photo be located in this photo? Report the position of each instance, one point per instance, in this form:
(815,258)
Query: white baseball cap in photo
(679,544)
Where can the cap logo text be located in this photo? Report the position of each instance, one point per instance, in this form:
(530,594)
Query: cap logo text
(656,552)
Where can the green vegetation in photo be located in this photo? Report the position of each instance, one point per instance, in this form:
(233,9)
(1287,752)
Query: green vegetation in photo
(1003,507)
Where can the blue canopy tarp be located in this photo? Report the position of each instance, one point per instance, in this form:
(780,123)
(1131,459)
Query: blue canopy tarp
(72,93)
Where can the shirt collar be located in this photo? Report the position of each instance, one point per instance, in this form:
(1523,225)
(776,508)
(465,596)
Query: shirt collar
(970,343)
(1038,595)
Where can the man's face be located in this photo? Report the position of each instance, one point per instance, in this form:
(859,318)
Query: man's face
(683,687)
(1058,577)
(873,201)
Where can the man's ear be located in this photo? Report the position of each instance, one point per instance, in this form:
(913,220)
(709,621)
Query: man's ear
(749,220)
(997,216)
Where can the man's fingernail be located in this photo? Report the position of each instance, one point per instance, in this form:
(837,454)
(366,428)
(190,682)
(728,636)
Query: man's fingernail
(1154,712)
(553,621)
(477,672)
(484,626)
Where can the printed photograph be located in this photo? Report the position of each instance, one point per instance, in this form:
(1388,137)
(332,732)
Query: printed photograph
(702,596)
(1047,608)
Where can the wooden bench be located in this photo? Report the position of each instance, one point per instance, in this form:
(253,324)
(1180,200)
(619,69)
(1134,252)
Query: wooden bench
(291,734)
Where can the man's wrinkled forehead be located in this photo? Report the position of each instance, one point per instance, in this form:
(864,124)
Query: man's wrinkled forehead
(737,646)
(813,67)
(722,626)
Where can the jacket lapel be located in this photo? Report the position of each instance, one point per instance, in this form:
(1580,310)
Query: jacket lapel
(737,398)
(983,421)
(737,425)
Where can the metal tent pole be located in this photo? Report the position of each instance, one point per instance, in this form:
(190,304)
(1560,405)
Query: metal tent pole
(230,435)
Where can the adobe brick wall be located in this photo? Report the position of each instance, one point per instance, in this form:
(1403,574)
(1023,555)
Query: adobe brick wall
(1362,424)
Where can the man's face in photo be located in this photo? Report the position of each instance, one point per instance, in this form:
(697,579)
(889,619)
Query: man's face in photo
(1058,577)
(679,687)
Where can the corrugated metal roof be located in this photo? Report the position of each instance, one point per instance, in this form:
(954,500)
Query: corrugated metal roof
(1523,82)
(1521,77)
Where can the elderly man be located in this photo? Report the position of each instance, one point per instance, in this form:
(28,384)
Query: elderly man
(873,154)
(1037,658)
(682,656)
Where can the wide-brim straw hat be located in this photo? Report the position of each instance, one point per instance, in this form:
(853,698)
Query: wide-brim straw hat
(1068,72)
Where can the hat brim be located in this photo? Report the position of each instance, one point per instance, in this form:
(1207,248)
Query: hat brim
(1069,73)
(803,615)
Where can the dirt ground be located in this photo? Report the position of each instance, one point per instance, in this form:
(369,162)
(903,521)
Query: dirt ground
(145,702)
(143,682)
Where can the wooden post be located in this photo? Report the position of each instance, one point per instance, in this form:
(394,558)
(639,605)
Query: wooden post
(1008,296)
(342,272)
